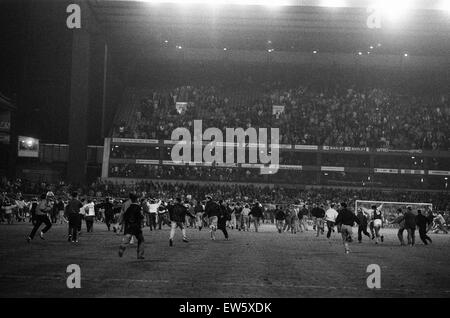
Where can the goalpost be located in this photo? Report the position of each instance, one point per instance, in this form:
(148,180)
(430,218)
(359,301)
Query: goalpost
(389,208)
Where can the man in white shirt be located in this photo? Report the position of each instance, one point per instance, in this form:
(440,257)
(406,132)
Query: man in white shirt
(153,207)
(330,217)
(245,218)
(89,209)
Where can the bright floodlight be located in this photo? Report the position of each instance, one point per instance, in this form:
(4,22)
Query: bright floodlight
(445,5)
(333,3)
(270,3)
(394,10)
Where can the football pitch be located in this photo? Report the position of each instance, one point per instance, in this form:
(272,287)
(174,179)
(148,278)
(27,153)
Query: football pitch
(264,264)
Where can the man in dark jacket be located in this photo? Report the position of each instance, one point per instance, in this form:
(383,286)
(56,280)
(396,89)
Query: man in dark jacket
(224,216)
(280,216)
(43,207)
(320,222)
(362,227)
(198,210)
(212,212)
(346,219)
(132,221)
(108,207)
(60,209)
(72,212)
(257,214)
(177,215)
(400,220)
(318,213)
(410,225)
(302,215)
(422,223)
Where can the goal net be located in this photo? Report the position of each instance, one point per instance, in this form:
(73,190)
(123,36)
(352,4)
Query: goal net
(389,209)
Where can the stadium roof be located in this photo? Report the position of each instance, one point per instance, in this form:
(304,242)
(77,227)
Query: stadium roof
(295,26)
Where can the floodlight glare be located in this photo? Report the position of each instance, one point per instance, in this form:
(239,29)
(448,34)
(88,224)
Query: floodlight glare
(270,3)
(394,10)
(333,3)
(445,5)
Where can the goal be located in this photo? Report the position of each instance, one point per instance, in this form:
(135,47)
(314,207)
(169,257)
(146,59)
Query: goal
(389,209)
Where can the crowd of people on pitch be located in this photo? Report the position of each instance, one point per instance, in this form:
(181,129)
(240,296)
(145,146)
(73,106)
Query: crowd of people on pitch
(19,191)
(130,216)
(335,116)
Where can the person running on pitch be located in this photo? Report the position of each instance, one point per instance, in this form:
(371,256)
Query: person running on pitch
(257,214)
(330,217)
(89,208)
(287,221)
(280,216)
(362,227)
(73,216)
(177,215)
(238,215)
(410,225)
(294,209)
(212,212)
(245,218)
(302,215)
(60,209)
(422,223)
(400,220)
(440,223)
(377,217)
(153,208)
(132,220)
(346,219)
(109,213)
(42,208)
(320,215)
(163,215)
(223,217)
(198,209)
